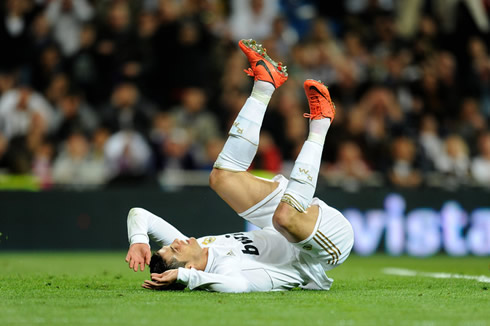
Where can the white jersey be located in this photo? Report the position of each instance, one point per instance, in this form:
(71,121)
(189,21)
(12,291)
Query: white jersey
(260,260)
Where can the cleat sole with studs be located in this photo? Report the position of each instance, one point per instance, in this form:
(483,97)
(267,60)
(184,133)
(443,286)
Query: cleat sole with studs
(258,48)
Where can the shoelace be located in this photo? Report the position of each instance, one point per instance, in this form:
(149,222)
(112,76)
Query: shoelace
(249,72)
(315,106)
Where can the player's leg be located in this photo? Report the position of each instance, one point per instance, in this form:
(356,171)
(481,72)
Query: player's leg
(229,178)
(294,217)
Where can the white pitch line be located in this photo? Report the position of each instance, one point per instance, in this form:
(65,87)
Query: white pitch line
(408,272)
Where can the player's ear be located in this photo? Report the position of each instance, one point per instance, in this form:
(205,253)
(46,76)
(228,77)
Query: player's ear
(189,265)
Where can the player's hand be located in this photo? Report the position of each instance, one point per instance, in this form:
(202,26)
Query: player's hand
(138,255)
(161,281)
(150,285)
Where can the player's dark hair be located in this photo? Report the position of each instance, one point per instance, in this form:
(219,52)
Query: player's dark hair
(158,265)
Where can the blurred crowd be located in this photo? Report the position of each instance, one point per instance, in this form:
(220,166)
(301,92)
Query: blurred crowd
(110,92)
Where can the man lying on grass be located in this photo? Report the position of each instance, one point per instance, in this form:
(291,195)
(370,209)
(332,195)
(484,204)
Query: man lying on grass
(300,237)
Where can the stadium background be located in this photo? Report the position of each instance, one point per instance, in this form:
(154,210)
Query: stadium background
(105,105)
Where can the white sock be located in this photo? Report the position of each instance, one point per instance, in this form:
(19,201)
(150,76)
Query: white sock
(241,146)
(302,183)
(262,91)
(318,130)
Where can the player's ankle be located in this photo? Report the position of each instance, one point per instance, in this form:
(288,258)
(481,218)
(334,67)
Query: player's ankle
(262,91)
(318,130)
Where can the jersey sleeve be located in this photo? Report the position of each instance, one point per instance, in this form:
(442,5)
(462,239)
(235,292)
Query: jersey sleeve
(143,225)
(226,277)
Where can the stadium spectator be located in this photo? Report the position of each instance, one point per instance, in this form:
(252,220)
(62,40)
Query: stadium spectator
(176,153)
(73,114)
(448,85)
(320,55)
(454,161)
(128,156)
(193,45)
(83,65)
(282,37)
(252,18)
(22,148)
(7,82)
(480,165)
(170,144)
(57,88)
(429,140)
(193,116)
(128,110)
(447,12)
(233,80)
(285,123)
(393,68)
(48,64)
(479,73)
(381,117)
(75,167)
(114,46)
(213,148)
(99,139)
(350,170)
(67,18)
(42,165)
(471,123)
(17,108)
(15,19)
(141,67)
(40,34)
(404,171)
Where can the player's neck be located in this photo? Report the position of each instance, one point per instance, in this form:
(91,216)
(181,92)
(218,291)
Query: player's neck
(202,261)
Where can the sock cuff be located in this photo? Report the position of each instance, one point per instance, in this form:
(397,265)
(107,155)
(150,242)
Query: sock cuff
(316,138)
(260,96)
(262,91)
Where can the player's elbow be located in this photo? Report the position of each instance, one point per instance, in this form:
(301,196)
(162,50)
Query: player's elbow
(238,287)
(135,211)
(241,289)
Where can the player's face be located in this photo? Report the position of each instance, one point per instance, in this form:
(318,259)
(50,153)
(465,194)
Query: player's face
(182,250)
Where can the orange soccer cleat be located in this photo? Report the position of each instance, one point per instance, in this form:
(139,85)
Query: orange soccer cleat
(321,106)
(262,66)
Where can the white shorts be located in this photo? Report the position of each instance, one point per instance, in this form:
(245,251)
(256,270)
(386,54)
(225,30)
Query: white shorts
(332,239)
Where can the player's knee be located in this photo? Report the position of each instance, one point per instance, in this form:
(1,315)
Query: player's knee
(216,178)
(283,218)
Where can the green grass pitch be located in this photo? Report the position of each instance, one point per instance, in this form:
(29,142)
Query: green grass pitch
(99,289)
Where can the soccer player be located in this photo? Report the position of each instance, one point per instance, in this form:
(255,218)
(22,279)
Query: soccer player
(300,237)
